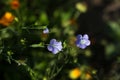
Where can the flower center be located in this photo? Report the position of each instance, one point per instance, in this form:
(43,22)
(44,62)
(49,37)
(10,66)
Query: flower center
(82,41)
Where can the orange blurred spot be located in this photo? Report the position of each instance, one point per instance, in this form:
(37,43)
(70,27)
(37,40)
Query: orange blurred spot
(6,19)
(73,22)
(72,40)
(44,36)
(15,4)
(93,41)
(88,76)
(75,73)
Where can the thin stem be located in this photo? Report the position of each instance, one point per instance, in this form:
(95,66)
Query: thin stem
(56,72)
(32,28)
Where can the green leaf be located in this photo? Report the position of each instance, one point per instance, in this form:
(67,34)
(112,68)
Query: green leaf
(20,62)
(9,59)
(64,44)
(38,45)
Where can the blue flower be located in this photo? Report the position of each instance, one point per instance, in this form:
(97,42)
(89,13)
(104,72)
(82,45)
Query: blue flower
(54,46)
(82,41)
(45,31)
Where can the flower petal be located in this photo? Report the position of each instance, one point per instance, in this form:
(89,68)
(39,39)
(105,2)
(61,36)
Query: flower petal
(52,41)
(79,36)
(77,42)
(55,51)
(57,43)
(46,31)
(59,47)
(87,43)
(82,46)
(50,48)
(85,36)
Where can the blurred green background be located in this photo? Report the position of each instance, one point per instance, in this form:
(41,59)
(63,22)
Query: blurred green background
(100,19)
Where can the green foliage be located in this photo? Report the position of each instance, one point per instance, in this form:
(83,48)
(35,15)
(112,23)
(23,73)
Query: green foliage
(23,45)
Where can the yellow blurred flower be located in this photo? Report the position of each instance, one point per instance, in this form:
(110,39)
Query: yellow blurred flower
(15,4)
(7,19)
(82,7)
(75,73)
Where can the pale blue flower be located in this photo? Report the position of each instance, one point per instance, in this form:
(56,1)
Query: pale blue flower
(46,31)
(82,41)
(55,46)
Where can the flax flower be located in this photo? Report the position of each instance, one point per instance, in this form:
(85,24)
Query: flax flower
(82,41)
(55,46)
